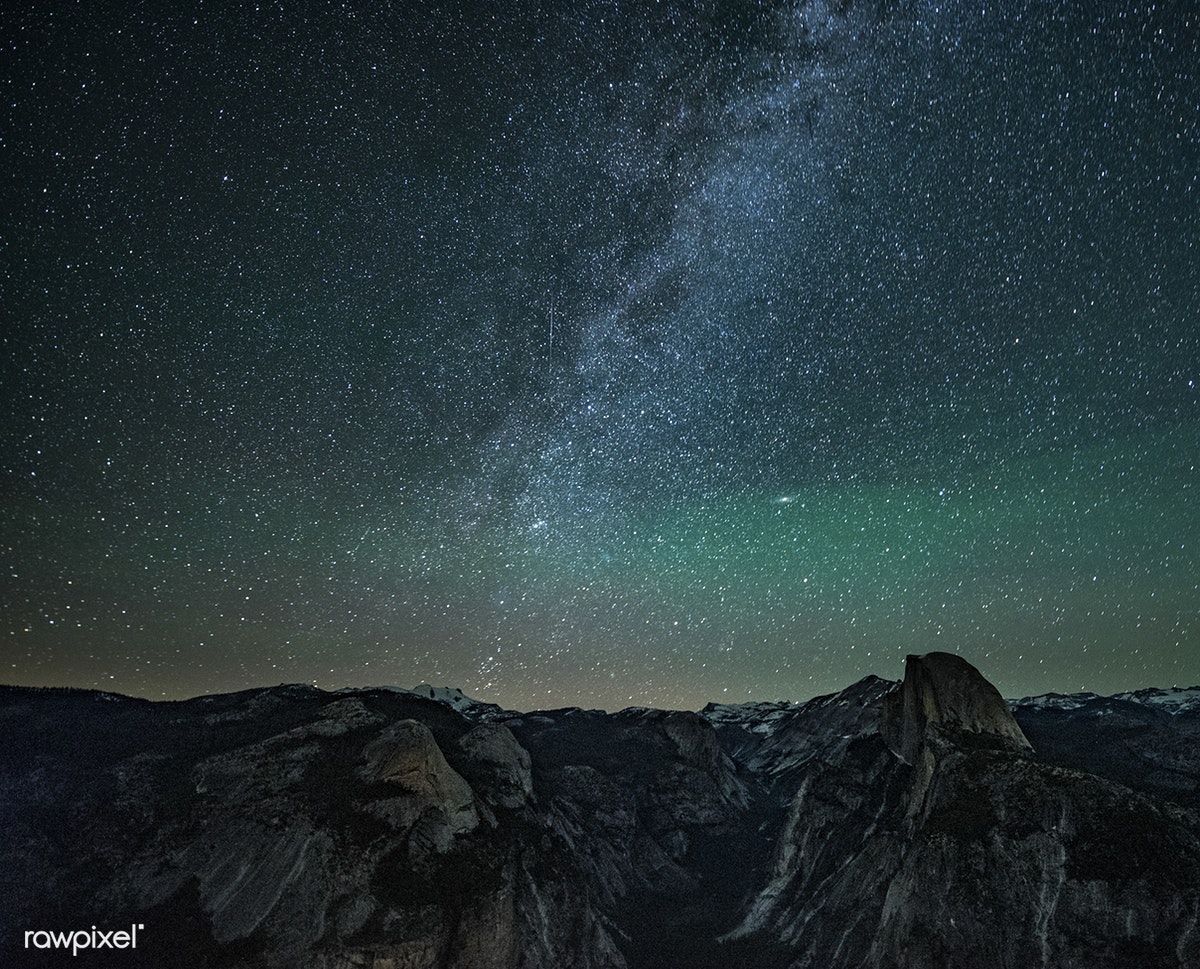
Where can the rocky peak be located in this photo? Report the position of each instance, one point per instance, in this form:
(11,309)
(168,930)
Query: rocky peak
(454,697)
(1173,700)
(450,695)
(406,755)
(376,828)
(502,764)
(944,697)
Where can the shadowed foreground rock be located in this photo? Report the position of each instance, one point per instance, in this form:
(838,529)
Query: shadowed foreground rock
(884,826)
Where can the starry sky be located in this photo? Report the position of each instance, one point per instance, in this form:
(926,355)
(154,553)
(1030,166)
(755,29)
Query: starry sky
(600,353)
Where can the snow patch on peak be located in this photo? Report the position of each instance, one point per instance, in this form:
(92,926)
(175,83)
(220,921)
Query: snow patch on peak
(1055,701)
(450,695)
(1174,700)
(758,716)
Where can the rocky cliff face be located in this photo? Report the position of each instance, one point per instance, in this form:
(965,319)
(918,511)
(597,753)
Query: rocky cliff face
(1148,740)
(941,840)
(884,826)
(943,700)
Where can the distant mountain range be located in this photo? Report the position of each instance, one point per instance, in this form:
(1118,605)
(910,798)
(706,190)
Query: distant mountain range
(922,823)
(1174,700)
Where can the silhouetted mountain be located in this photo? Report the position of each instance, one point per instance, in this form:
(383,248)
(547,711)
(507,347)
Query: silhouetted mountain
(887,825)
(1148,739)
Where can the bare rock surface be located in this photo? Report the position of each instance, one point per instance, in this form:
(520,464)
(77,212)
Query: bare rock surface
(885,825)
(500,764)
(406,755)
(943,695)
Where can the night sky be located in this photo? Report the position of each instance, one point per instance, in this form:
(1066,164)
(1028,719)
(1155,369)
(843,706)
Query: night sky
(599,353)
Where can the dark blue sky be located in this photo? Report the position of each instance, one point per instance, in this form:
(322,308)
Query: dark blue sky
(603,353)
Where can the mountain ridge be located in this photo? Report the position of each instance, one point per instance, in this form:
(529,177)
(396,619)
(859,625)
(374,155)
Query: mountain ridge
(1049,698)
(387,827)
